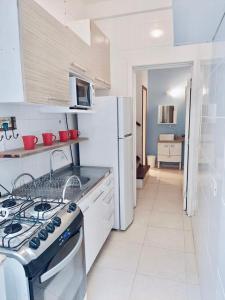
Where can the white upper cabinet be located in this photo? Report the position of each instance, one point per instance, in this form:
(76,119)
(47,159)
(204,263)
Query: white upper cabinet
(37,52)
(196,21)
(33,59)
(100,46)
(45,63)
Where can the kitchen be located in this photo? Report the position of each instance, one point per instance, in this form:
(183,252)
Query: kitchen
(68,142)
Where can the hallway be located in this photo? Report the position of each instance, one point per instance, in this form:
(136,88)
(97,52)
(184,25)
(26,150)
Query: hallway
(155,258)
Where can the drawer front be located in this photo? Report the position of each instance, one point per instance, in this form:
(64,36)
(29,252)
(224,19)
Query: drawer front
(175,148)
(163,149)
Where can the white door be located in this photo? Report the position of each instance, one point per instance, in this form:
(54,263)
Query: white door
(126,182)
(125,116)
(186,144)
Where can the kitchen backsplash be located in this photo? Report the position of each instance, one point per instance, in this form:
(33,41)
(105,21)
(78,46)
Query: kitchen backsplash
(30,121)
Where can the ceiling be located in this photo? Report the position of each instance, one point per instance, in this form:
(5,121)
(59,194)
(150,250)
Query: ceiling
(133,31)
(93,1)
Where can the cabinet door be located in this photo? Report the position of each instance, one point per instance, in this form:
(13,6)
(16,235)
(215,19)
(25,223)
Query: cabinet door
(163,149)
(79,54)
(100,47)
(45,63)
(175,149)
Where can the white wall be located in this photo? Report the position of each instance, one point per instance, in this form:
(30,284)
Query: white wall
(149,52)
(30,121)
(141,80)
(209,222)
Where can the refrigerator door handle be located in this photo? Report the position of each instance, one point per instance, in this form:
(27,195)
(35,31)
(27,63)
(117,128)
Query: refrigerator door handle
(125,136)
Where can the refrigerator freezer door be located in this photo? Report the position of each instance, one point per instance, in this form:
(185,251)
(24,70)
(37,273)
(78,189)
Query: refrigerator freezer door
(126,182)
(125,116)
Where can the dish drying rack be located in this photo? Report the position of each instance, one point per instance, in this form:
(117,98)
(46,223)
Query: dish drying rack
(46,188)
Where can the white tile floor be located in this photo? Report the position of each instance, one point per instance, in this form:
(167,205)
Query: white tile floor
(155,258)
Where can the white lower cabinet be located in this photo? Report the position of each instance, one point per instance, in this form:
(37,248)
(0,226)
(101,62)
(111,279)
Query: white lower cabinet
(98,211)
(169,152)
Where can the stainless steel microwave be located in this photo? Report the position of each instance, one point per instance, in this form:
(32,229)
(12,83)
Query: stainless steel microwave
(81,93)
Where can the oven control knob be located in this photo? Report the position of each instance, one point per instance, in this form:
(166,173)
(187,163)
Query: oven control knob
(56,221)
(72,207)
(43,234)
(50,227)
(34,243)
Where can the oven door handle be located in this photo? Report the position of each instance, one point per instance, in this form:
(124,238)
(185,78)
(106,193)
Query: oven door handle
(52,272)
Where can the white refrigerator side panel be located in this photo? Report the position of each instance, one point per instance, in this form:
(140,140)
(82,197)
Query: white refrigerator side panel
(102,147)
(125,116)
(126,181)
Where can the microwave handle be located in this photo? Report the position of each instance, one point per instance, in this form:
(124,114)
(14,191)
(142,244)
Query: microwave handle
(52,272)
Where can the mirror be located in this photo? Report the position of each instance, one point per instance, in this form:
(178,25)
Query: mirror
(167,114)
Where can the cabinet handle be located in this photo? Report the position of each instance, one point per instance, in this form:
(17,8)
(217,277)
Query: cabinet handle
(109,182)
(108,202)
(100,79)
(79,67)
(98,196)
(86,208)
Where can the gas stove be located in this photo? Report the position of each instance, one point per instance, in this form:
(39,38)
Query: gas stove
(30,221)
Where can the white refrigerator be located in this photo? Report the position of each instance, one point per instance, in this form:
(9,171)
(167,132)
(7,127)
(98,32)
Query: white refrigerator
(110,144)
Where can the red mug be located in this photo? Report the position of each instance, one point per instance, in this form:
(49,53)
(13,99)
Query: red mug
(48,138)
(29,141)
(63,136)
(73,134)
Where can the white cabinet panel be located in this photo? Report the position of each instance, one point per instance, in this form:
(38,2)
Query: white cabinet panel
(45,65)
(98,210)
(175,149)
(170,152)
(100,48)
(38,52)
(163,149)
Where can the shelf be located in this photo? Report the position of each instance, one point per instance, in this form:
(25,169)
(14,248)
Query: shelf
(65,110)
(19,153)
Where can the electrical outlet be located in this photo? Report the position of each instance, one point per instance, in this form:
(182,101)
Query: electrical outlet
(7,123)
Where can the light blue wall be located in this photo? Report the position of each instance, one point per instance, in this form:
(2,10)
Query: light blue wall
(159,82)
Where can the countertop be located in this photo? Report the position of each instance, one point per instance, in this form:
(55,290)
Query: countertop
(54,190)
(178,140)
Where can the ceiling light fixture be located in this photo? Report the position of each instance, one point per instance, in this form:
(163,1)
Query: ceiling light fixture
(176,92)
(156,33)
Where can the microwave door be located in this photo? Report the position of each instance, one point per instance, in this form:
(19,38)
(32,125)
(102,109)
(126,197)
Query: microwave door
(83,93)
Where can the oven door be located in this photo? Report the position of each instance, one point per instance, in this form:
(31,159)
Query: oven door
(84,93)
(64,278)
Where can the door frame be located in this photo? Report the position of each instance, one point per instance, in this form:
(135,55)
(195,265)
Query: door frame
(194,122)
(144,121)
(188,96)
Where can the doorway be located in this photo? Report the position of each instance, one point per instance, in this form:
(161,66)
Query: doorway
(183,114)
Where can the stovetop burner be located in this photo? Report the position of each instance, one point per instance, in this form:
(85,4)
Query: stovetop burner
(42,207)
(12,228)
(10,202)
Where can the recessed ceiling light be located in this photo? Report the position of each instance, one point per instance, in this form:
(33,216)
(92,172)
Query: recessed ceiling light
(156,33)
(176,92)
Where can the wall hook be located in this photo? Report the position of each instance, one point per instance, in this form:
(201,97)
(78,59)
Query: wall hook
(15,136)
(7,137)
